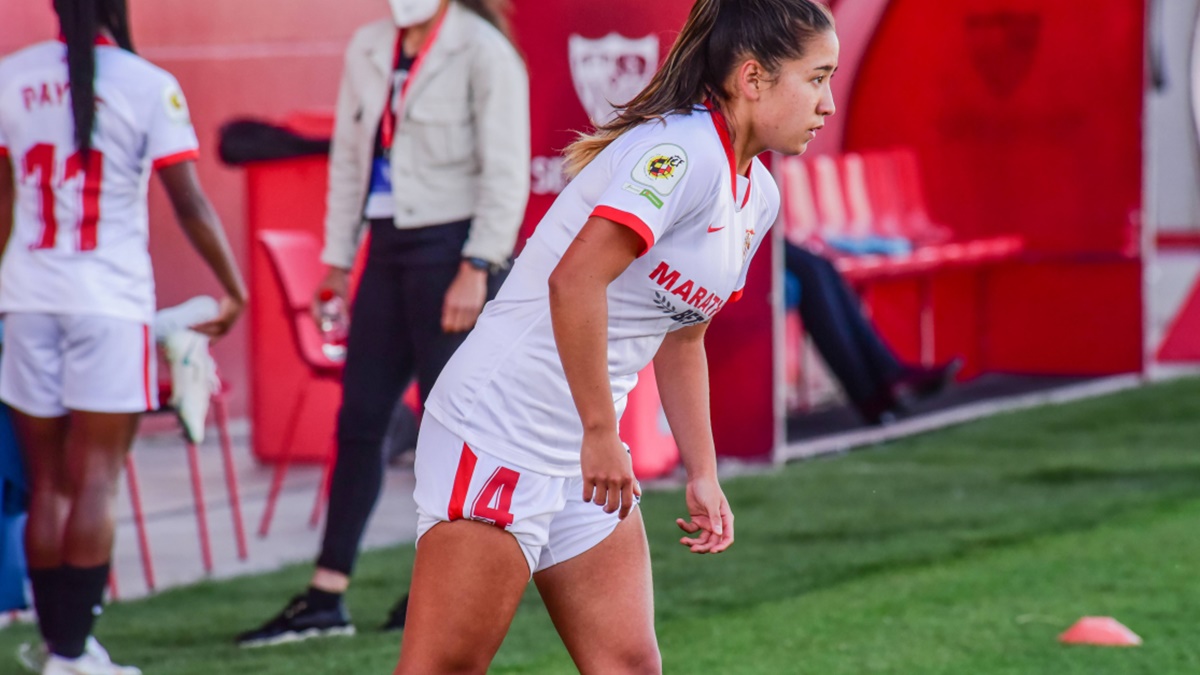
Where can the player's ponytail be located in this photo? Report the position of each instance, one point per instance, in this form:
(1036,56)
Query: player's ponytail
(77,19)
(717,35)
(80,21)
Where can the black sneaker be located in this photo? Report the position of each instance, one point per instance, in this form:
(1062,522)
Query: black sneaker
(397,615)
(299,621)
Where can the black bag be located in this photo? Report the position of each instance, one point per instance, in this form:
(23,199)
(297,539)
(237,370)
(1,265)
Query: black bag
(247,140)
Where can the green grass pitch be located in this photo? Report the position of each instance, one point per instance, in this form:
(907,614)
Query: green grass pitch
(961,552)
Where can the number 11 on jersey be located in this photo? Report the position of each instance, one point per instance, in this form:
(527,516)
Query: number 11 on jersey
(39,164)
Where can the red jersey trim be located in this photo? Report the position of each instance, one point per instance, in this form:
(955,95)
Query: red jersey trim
(722,127)
(171,160)
(735,296)
(101,40)
(628,220)
(147,354)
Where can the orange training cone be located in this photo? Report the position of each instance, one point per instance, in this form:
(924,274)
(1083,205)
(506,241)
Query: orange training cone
(1100,630)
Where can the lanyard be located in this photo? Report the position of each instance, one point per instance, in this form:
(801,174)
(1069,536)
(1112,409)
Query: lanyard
(387,127)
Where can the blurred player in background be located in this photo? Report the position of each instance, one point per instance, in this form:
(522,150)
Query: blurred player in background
(520,470)
(83,124)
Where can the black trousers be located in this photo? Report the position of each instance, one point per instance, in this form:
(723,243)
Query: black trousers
(833,317)
(395,335)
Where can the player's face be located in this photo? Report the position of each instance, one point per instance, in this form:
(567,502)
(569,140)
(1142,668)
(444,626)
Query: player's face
(792,110)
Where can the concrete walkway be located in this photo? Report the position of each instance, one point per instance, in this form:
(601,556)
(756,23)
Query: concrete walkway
(171,525)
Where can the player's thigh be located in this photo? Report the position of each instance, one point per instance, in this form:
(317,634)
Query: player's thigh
(602,602)
(31,372)
(97,444)
(109,365)
(467,582)
(481,526)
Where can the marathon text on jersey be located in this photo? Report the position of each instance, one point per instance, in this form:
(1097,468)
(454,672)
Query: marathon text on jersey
(690,292)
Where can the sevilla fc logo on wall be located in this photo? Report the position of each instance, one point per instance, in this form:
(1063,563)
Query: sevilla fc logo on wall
(1003,46)
(610,71)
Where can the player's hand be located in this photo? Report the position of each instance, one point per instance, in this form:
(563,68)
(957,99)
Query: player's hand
(710,516)
(227,314)
(608,473)
(464,299)
(336,280)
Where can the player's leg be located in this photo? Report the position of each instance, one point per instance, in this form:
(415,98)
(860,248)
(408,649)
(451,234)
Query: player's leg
(467,582)
(481,527)
(97,444)
(31,384)
(109,379)
(602,599)
(43,440)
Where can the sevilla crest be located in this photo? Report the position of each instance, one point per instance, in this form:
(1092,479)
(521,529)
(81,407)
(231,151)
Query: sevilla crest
(610,71)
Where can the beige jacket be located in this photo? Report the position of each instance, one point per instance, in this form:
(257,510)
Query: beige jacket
(461,148)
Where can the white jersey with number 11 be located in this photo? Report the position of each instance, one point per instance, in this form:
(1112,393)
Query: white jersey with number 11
(80,239)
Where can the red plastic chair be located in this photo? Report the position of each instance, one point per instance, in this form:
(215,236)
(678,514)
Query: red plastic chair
(221,417)
(295,258)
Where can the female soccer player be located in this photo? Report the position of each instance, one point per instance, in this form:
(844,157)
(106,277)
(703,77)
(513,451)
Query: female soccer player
(83,122)
(520,470)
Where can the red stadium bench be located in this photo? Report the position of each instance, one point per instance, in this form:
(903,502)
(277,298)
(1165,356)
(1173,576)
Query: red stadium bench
(875,200)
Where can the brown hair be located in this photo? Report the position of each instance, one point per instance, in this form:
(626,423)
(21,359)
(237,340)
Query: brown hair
(718,33)
(494,12)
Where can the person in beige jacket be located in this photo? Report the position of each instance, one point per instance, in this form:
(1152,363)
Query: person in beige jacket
(431,153)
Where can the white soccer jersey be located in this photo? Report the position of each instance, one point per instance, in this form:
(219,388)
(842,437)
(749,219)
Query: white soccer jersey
(675,184)
(80,241)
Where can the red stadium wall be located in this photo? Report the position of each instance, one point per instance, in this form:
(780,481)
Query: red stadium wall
(1027,119)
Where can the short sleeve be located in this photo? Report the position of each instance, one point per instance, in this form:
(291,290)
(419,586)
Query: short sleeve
(655,184)
(172,139)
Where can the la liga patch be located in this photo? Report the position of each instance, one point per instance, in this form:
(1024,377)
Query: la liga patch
(176,106)
(661,168)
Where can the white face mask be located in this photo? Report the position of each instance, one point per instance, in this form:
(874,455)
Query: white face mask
(412,12)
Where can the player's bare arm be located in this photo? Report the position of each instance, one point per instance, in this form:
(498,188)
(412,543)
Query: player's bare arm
(579,312)
(681,369)
(7,196)
(199,221)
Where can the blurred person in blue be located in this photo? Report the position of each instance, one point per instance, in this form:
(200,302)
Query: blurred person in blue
(431,152)
(84,122)
(877,383)
(520,469)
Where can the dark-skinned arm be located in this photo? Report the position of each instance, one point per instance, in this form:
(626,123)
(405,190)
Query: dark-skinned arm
(8,196)
(203,229)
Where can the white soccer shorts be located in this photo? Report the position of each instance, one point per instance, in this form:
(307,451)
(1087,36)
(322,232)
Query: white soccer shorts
(546,514)
(53,363)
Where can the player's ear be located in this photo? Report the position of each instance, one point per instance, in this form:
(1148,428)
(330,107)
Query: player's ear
(752,79)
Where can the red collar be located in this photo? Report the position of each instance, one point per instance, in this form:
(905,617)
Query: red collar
(722,127)
(101,40)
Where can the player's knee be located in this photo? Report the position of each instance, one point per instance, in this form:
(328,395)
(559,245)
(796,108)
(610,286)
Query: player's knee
(96,486)
(635,660)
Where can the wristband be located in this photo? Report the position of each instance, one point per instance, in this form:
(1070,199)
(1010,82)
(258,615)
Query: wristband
(479,264)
